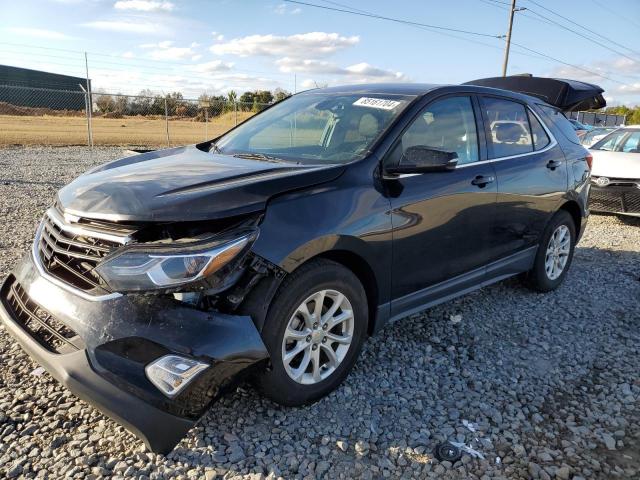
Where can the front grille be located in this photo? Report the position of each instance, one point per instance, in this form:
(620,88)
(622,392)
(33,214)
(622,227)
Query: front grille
(49,332)
(71,251)
(604,202)
(631,201)
(615,199)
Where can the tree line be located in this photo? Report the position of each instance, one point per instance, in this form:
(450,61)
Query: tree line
(632,113)
(174,104)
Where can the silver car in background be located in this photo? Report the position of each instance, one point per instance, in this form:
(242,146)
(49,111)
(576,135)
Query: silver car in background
(615,173)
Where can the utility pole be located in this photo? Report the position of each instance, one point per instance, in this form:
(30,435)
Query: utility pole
(508,45)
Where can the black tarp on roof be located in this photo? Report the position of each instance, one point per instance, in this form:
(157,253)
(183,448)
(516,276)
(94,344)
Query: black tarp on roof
(565,94)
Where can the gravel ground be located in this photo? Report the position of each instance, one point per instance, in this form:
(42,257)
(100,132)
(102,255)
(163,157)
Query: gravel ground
(550,383)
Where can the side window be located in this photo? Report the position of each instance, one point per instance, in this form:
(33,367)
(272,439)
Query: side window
(611,142)
(560,121)
(509,127)
(540,137)
(447,124)
(632,143)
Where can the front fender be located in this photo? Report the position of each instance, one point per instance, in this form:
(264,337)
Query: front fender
(355,219)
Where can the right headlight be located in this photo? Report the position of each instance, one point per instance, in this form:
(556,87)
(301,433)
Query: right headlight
(141,267)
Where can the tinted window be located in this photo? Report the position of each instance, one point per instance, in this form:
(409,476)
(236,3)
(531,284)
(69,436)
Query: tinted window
(509,127)
(540,137)
(448,125)
(556,117)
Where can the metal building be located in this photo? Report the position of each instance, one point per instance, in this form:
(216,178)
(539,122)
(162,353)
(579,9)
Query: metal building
(37,89)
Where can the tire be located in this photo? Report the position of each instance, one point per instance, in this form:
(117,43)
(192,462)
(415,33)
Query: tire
(285,311)
(542,278)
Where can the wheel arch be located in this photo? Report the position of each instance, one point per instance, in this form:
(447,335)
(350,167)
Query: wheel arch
(361,269)
(574,210)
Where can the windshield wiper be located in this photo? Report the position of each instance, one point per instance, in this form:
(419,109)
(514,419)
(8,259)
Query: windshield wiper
(259,156)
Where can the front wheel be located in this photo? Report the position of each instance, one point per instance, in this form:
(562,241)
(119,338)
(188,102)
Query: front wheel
(555,253)
(314,331)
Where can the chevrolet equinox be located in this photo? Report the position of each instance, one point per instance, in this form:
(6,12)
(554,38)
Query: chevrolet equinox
(157,281)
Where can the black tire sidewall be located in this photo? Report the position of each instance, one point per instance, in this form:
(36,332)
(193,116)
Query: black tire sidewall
(538,275)
(316,276)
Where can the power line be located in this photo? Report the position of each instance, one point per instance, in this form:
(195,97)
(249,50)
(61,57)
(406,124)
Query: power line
(418,24)
(498,3)
(392,19)
(568,64)
(614,13)
(583,35)
(137,60)
(446,34)
(583,27)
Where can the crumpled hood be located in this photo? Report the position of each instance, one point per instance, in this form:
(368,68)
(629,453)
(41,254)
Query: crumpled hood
(184,184)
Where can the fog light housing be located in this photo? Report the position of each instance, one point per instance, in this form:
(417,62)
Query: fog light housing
(172,373)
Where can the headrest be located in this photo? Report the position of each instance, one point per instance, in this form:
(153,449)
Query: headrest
(508,132)
(368,126)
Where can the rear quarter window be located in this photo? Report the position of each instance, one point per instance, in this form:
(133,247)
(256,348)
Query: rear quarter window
(557,118)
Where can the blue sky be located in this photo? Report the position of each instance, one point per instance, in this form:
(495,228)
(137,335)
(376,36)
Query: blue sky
(218,45)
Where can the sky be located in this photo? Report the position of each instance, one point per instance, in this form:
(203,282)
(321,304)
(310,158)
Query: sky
(196,46)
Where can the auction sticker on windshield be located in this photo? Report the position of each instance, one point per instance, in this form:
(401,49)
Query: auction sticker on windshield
(380,103)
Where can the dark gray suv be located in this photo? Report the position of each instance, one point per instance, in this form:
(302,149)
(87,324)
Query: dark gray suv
(156,282)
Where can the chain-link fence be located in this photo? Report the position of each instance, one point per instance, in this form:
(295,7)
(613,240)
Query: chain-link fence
(598,119)
(42,116)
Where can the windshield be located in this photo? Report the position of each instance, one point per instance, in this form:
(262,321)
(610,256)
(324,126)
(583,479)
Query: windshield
(627,141)
(315,127)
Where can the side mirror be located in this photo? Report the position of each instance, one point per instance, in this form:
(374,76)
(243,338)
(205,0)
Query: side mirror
(422,159)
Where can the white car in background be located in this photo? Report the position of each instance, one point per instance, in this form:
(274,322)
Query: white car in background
(594,136)
(615,173)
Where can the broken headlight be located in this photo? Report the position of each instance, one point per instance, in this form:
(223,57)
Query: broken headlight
(149,267)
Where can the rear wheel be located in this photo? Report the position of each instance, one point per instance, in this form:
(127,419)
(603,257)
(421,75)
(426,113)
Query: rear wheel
(554,253)
(314,331)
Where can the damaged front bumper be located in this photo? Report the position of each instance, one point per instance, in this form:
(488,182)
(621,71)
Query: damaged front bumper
(99,349)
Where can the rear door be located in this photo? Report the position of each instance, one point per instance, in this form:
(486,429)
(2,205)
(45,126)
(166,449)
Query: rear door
(441,220)
(531,173)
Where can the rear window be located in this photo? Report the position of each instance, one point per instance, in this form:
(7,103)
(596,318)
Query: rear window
(510,133)
(558,119)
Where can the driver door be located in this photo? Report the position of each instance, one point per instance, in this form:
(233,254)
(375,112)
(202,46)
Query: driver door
(442,221)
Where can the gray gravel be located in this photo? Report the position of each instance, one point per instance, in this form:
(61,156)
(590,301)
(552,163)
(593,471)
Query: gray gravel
(550,383)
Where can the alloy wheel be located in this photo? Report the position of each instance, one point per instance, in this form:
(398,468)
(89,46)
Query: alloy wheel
(557,253)
(318,337)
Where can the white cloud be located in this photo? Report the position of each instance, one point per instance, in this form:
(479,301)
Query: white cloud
(128,55)
(166,50)
(38,33)
(629,89)
(211,67)
(172,53)
(621,69)
(124,26)
(144,5)
(360,72)
(163,44)
(312,44)
(284,9)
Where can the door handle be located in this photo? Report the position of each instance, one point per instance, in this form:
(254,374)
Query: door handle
(482,181)
(553,164)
